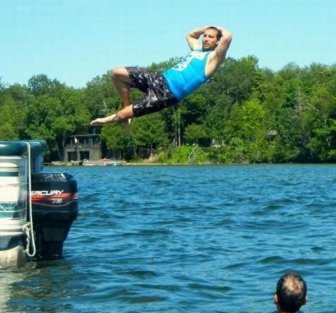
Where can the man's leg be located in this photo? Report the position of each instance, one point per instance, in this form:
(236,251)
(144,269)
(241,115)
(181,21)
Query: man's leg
(121,81)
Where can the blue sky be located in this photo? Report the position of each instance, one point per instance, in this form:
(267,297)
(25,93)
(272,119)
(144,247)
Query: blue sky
(74,41)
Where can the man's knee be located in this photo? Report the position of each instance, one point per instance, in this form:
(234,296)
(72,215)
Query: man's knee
(125,113)
(120,73)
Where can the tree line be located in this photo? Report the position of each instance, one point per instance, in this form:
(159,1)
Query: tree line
(244,114)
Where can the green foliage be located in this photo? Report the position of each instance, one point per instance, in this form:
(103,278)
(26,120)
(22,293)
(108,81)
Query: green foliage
(195,134)
(100,96)
(149,132)
(54,113)
(118,140)
(244,114)
(13,101)
(184,155)
(142,136)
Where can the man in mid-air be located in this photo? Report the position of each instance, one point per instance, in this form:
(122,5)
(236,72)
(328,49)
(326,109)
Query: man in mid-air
(171,86)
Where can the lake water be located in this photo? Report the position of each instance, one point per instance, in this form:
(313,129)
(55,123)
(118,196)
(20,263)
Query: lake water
(187,239)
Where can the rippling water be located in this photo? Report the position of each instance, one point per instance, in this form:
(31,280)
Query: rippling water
(187,239)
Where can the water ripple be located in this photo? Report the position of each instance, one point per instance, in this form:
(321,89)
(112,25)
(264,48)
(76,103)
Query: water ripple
(187,239)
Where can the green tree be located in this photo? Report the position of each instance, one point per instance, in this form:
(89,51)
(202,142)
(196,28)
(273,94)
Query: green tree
(217,117)
(118,140)
(39,85)
(245,132)
(320,120)
(196,134)
(8,129)
(13,106)
(149,133)
(238,79)
(101,97)
(54,113)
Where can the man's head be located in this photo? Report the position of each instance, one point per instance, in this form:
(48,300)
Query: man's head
(211,38)
(291,293)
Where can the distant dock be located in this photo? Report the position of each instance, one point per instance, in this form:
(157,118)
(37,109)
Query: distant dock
(102,162)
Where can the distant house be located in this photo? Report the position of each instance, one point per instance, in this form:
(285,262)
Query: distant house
(83,147)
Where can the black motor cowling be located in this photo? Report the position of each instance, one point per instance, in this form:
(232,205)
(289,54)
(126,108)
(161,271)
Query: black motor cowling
(55,207)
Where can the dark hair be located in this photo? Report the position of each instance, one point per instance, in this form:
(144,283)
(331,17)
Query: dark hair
(291,290)
(219,32)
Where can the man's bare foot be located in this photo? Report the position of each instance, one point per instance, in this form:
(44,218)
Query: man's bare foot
(105,120)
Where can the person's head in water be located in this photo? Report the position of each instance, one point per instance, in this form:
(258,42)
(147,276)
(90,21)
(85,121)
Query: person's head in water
(211,38)
(291,293)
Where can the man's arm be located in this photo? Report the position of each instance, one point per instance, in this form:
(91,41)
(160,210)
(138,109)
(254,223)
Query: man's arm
(223,44)
(193,36)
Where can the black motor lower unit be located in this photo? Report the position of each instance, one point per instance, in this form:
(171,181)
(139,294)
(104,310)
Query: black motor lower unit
(55,207)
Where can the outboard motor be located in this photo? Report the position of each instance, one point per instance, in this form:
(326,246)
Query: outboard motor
(55,207)
(37,209)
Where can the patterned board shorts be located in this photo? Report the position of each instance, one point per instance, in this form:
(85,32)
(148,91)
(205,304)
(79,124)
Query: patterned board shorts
(153,84)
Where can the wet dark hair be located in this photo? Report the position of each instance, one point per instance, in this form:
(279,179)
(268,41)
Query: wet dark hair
(219,32)
(291,290)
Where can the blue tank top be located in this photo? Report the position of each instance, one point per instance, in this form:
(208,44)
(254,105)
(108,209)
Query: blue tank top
(187,75)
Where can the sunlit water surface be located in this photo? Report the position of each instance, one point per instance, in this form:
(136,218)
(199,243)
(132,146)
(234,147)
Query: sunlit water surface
(187,239)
